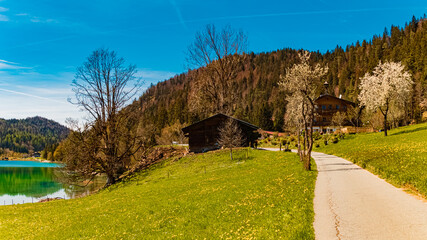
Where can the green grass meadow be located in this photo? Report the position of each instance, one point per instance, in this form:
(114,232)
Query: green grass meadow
(266,195)
(400,158)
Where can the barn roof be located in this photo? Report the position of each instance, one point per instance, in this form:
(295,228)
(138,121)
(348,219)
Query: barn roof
(219,115)
(340,99)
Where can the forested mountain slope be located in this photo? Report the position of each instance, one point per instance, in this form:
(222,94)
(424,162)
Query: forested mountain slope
(263,104)
(30,134)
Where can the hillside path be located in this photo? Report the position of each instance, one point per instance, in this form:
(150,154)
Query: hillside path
(352,203)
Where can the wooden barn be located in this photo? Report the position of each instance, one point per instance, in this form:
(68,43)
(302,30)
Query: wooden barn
(203,135)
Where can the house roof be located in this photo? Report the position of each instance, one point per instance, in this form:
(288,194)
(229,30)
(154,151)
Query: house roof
(340,99)
(186,129)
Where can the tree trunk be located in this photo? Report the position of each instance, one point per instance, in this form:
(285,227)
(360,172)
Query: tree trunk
(307,161)
(385,112)
(307,148)
(299,145)
(357,125)
(231,154)
(306,154)
(308,138)
(385,124)
(311,141)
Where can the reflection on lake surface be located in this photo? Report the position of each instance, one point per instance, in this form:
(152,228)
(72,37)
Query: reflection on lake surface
(28,181)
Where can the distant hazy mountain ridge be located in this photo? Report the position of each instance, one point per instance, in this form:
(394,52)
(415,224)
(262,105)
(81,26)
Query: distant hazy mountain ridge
(30,135)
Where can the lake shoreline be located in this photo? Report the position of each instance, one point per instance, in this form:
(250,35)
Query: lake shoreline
(29,160)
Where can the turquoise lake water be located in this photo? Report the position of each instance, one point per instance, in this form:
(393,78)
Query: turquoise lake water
(29,181)
(27,164)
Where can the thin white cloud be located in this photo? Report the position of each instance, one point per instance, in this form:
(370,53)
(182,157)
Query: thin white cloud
(33,96)
(18,106)
(6,65)
(27,93)
(362,10)
(41,20)
(152,75)
(4,18)
(3,9)
(178,13)
(185,22)
(41,42)
(263,15)
(61,91)
(35,19)
(8,62)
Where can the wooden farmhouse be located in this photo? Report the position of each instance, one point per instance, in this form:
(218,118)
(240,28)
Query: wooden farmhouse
(325,108)
(203,135)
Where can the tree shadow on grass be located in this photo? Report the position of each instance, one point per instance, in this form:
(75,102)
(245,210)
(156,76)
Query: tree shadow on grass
(410,131)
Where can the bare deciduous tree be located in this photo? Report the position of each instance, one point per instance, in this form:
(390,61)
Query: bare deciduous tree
(338,119)
(230,136)
(103,86)
(303,81)
(389,86)
(353,115)
(172,133)
(423,104)
(423,107)
(217,55)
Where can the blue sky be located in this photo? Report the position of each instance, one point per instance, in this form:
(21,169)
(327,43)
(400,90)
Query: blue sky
(42,42)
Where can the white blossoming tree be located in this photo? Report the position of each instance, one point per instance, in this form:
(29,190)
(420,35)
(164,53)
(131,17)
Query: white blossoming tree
(387,87)
(294,118)
(303,81)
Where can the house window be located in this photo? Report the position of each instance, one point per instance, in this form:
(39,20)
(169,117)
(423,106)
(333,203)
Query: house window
(323,107)
(337,107)
(330,107)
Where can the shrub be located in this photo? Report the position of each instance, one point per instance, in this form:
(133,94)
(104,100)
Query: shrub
(283,141)
(264,135)
(317,136)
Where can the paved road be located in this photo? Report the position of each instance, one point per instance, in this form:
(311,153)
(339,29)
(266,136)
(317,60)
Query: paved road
(352,203)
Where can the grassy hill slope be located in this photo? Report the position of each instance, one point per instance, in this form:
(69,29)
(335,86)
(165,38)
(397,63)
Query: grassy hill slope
(266,196)
(400,158)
